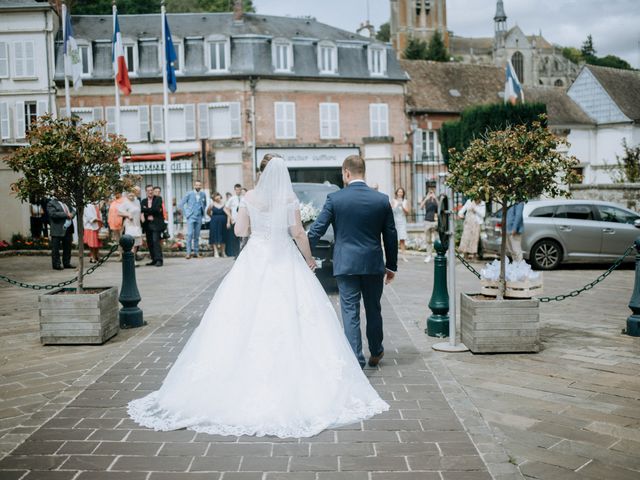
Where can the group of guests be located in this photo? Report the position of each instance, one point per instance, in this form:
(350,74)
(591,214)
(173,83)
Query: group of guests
(195,208)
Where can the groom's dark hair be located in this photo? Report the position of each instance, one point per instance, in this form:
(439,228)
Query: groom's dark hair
(355,164)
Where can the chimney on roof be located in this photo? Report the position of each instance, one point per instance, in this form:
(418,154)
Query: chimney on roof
(237,10)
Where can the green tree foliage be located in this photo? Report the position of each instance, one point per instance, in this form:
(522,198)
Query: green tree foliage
(103,7)
(610,61)
(437,50)
(416,49)
(510,166)
(587,54)
(628,166)
(587,50)
(71,161)
(384,33)
(476,122)
(573,54)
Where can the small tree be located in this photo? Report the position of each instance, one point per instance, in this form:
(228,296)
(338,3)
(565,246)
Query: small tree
(437,50)
(587,50)
(416,50)
(71,161)
(628,166)
(511,166)
(384,33)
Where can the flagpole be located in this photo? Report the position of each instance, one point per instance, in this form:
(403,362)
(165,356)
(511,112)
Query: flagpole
(115,80)
(167,146)
(67,95)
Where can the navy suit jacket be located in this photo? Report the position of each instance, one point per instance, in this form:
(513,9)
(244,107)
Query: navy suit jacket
(361,217)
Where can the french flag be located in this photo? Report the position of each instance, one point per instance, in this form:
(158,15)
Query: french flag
(512,87)
(119,61)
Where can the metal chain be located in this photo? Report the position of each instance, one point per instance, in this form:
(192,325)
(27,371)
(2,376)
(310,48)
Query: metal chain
(573,293)
(589,286)
(61,284)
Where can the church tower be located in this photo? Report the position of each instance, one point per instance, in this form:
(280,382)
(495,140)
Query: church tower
(500,24)
(417,19)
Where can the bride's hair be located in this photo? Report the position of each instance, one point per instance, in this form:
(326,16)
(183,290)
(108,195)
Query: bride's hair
(265,160)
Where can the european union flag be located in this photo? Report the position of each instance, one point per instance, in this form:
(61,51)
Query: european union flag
(171,57)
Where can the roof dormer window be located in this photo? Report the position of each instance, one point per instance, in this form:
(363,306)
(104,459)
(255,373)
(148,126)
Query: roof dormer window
(219,53)
(327,58)
(282,53)
(377,60)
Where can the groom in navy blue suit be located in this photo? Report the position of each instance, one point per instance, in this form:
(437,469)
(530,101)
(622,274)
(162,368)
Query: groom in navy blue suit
(360,217)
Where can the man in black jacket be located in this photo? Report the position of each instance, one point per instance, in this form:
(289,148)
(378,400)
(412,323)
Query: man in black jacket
(61,220)
(153,224)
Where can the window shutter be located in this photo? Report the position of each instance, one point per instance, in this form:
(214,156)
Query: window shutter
(335,120)
(417,145)
(4,60)
(279,114)
(29,61)
(111,120)
(373,120)
(291,120)
(97,114)
(143,121)
(42,108)
(4,120)
(190,121)
(235,119)
(203,120)
(18,59)
(324,120)
(20,126)
(157,127)
(384,120)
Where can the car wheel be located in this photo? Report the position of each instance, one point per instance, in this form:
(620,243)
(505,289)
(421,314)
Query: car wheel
(546,255)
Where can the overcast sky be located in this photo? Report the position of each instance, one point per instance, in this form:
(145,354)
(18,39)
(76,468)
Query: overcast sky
(614,24)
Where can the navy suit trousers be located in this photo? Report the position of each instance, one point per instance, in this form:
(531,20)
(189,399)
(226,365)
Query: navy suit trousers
(352,288)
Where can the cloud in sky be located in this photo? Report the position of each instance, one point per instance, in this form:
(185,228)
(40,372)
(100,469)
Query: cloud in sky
(615,26)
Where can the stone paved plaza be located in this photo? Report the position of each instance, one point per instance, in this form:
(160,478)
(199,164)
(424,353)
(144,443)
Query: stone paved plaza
(572,411)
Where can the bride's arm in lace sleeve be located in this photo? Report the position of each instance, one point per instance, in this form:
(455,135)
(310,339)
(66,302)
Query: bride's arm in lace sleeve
(242,227)
(300,237)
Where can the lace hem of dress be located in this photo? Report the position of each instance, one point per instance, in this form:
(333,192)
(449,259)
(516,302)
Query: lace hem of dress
(146,412)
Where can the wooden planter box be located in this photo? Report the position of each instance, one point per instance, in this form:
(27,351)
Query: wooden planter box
(86,318)
(524,289)
(492,326)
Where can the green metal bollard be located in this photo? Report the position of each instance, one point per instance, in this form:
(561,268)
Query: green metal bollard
(633,322)
(130,313)
(438,322)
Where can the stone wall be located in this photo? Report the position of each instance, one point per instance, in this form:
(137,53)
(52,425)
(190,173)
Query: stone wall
(625,194)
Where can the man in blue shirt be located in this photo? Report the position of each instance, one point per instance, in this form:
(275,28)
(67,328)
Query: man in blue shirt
(515,227)
(193,207)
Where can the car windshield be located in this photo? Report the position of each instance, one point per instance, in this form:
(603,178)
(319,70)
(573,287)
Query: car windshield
(316,194)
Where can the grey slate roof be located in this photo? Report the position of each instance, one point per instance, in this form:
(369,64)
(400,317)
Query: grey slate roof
(250,41)
(623,86)
(561,109)
(17,5)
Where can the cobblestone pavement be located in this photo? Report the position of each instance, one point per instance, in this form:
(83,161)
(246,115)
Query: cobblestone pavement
(571,411)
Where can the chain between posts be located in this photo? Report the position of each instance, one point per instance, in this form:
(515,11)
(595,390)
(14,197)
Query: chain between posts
(61,284)
(572,293)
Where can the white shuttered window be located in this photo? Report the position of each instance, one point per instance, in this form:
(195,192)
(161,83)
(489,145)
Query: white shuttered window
(4,121)
(329,120)
(379,119)
(134,122)
(285,116)
(4,60)
(23,59)
(219,121)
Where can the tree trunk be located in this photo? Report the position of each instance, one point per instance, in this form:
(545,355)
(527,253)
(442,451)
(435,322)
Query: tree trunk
(79,215)
(502,283)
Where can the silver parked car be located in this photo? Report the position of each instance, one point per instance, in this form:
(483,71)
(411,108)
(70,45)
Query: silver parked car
(563,231)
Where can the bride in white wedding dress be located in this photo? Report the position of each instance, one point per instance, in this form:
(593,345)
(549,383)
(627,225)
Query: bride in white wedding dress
(270,356)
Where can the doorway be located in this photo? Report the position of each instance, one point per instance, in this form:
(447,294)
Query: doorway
(317,175)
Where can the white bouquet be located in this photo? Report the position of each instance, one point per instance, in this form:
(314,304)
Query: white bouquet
(514,272)
(308,213)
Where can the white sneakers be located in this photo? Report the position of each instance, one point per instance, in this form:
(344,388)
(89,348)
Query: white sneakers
(427,259)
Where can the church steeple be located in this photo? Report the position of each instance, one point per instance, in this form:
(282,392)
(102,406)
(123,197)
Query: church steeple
(500,18)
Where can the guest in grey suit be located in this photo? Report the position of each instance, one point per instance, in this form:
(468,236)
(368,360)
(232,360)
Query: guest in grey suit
(61,221)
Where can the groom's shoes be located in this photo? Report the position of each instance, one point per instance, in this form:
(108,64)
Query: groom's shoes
(374,360)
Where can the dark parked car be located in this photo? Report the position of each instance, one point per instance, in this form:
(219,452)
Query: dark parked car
(316,195)
(568,231)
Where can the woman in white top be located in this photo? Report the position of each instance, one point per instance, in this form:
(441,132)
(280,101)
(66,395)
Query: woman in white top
(131,213)
(400,207)
(473,213)
(92,221)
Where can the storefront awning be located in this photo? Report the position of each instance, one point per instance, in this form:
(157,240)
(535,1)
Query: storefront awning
(150,157)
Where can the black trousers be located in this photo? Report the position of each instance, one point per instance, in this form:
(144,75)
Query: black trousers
(65,241)
(154,246)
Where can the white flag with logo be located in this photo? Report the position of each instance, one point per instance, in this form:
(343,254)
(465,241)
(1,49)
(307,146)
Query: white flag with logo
(72,55)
